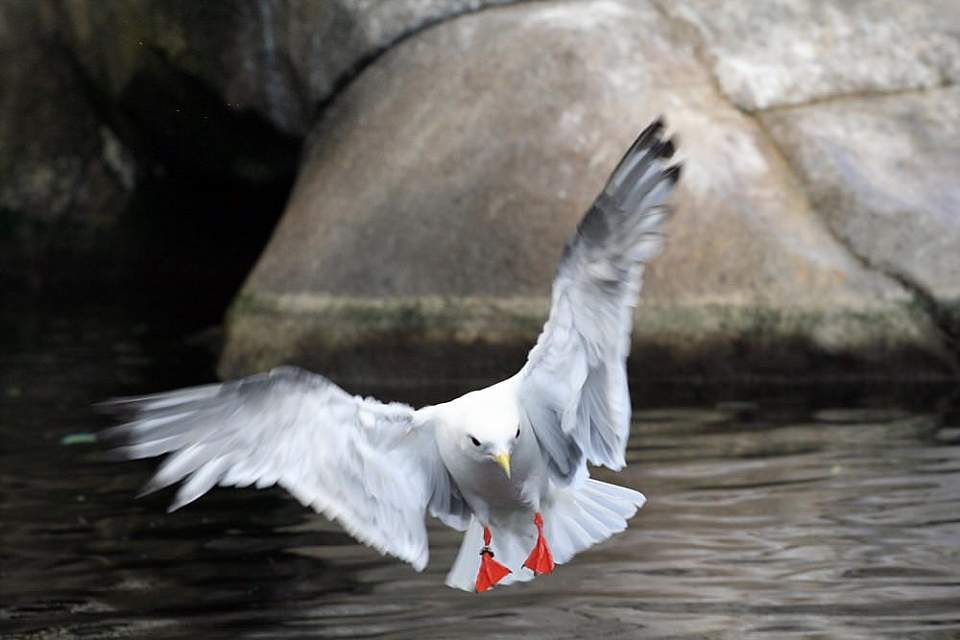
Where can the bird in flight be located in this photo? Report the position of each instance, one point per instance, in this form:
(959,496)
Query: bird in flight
(506,464)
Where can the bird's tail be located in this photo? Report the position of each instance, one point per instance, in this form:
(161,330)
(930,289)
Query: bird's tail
(574,519)
(579,518)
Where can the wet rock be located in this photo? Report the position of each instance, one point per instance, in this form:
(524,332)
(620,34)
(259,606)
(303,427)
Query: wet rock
(882,171)
(784,52)
(279,58)
(439,188)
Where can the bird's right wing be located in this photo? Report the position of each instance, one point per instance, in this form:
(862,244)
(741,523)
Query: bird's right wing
(573,387)
(368,465)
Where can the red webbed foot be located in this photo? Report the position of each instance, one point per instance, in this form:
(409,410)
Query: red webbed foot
(491,571)
(540,561)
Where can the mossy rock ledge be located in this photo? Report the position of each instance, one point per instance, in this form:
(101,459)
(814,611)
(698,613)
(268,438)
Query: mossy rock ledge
(435,339)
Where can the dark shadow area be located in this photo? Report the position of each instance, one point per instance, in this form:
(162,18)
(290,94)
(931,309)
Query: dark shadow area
(210,185)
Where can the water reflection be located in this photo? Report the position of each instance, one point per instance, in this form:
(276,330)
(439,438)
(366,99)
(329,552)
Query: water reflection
(780,514)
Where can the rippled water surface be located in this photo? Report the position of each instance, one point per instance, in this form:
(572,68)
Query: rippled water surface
(786,513)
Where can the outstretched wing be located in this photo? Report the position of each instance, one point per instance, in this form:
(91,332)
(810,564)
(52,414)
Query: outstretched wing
(370,466)
(573,387)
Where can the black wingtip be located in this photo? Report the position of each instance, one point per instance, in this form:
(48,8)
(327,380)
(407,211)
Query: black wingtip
(651,132)
(667,149)
(656,123)
(650,138)
(673,173)
(650,143)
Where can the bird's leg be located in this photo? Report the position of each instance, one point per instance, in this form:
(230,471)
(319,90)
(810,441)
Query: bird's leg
(491,571)
(540,560)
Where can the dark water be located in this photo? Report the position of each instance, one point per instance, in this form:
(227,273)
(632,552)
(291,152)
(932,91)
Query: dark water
(827,512)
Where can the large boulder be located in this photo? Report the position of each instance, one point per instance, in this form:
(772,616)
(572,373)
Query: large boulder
(439,188)
(771,53)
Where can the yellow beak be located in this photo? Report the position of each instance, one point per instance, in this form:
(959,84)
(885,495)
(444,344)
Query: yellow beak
(503,459)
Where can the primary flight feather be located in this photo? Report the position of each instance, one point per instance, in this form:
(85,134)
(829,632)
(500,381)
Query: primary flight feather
(506,464)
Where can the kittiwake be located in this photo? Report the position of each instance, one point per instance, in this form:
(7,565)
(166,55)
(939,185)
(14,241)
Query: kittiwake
(506,464)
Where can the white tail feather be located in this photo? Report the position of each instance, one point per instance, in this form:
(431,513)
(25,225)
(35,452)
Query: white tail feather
(574,519)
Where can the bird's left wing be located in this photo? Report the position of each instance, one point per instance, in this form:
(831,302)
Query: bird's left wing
(368,465)
(573,388)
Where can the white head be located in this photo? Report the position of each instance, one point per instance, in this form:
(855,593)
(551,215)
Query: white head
(491,441)
(486,426)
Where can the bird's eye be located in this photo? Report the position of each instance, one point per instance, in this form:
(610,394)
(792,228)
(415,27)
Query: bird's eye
(476,442)
(518,433)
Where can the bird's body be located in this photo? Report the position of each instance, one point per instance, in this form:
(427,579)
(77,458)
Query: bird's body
(507,505)
(488,414)
(507,464)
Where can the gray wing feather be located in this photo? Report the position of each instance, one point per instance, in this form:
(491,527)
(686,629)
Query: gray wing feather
(366,464)
(574,384)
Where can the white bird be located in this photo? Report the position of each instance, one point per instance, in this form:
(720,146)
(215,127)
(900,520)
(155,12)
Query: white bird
(506,464)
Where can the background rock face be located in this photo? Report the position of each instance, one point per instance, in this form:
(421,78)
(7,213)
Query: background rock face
(449,148)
